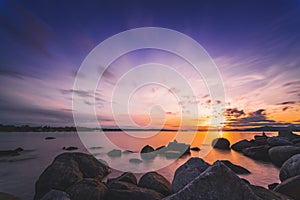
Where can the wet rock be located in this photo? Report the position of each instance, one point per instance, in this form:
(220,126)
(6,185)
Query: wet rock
(127,152)
(87,189)
(280,154)
(6,196)
(156,182)
(147,152)
(50,138)
(115,153)
(239,146)
(195,149)
(135,160)
(188,172)
(278,141)
(56,195)
(290,168)
(216,182)
(124,191)
(288,134)
(235,168)
(125,177)
(266,194)
(161,149)
(71,148)
(173,154)
(68,169)
(221,143)
(290,187)
(272,186)
(260,139)
(258,152)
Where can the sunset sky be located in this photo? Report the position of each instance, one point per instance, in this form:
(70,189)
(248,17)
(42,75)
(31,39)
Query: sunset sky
(254,44)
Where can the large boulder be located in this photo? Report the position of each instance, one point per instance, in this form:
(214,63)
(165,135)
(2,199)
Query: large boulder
(288,134)
(290,187)
(235,168)
(216,182)
(280,154)
(68,169)
(119,190)
(257,152)
(188,172)
(55,194)
(87,189)
(221,143)
(155,181)
(266,194)
(278,141)
(125,177)
(290,168)
(148,152)
(114,153)
(239,146)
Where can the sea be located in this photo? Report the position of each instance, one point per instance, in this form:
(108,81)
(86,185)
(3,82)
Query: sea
(19,173)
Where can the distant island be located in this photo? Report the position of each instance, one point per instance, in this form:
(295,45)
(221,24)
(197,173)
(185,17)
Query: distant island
(27,128)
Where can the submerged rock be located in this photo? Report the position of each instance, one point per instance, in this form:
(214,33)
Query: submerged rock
(235,168)
(280,154)
(147,152)
(14,152)
(188,172)
(290,168)
(115,153)
(258,152)
(239,146)
(290,187)
(56,195)
(87,189)
(221,143)
(71,148)
(50,138)
(135,160)
(156,182)
(216,182)
(195,149)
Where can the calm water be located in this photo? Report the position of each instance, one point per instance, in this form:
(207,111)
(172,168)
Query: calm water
(18,174)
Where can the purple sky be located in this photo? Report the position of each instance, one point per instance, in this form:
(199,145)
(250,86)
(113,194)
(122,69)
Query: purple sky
(255,45)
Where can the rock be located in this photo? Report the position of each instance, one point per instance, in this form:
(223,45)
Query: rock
(266,194)
(258,152)
(125,177)
(260,139)
(296,141)
(15,152)
(156,182)
(135,160)
(115,153)
(68,169)
(216,182)
(50,138)
(221,143)
(278,141)
(147,152)
(173,154)
(119,190)
(290,168)
(280,154)
(71,148)
(87,189)
(195,149)
(55,195)
(290,187)
(6,196)
(95,148)
(288,134)
(127,152)
(235,168)
(161,149)
(188,172)
(272,186)
(183,148)
(239,146)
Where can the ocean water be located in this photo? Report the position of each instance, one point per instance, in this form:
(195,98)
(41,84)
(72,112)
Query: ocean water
(19,173)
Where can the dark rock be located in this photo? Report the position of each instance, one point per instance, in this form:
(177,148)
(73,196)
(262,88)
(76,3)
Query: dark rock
(290,187)
(68,169)
(221,143)
(188,172)
(127,152)
(266,194)
(125,177)
(296,141)
(50,138)
(135,160)
(239,146)
(119,190)
(288,134)
(156,182)
(19,149)
(280,154)
(258,152)
(272,186)
(15,152)
(115,153)
(71,148)
(278,141)
(6,196)
(235,168)
(290,168)
(87,189)
(173,154)
(56,195)
(195,149)
(95,148)
(161,149)
(147,152)
(260,139)
(183,148)
(216,182)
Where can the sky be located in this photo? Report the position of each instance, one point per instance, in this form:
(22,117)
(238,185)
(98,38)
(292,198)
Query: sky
(254,44)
